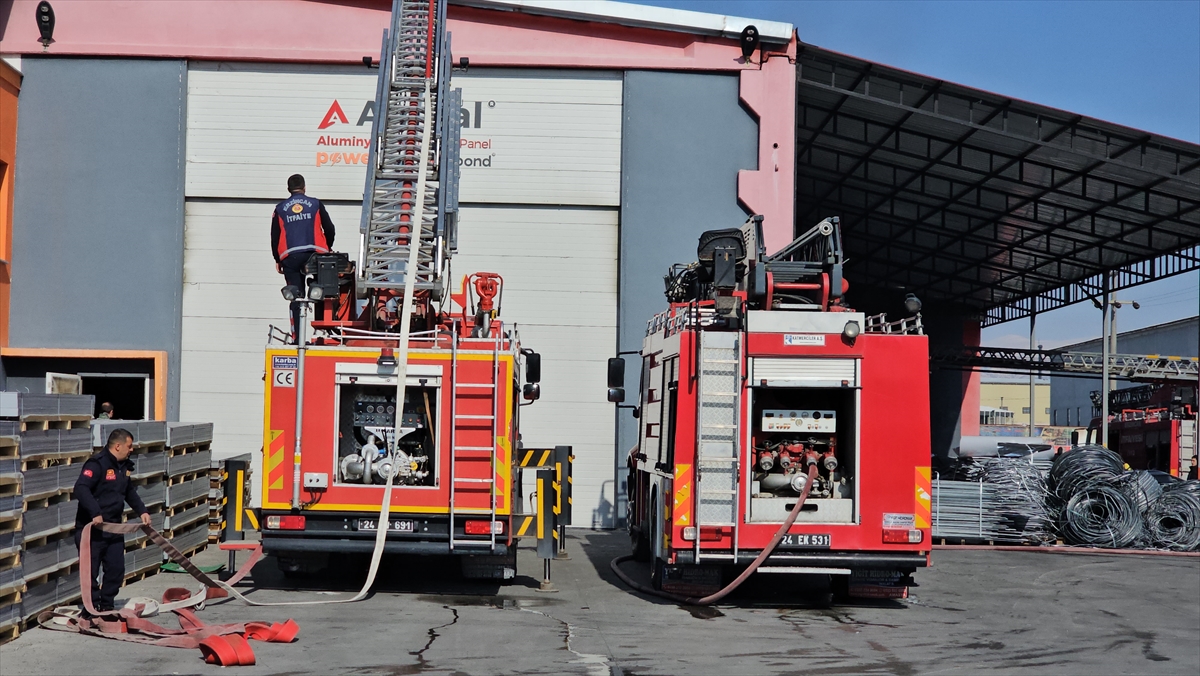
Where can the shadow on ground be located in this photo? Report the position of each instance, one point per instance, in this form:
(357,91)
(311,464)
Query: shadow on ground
(759,591)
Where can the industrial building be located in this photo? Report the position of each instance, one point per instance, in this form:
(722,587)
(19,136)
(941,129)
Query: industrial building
(598,140)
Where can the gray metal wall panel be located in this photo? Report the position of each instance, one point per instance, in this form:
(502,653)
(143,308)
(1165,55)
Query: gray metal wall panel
(98,209)
(684,138)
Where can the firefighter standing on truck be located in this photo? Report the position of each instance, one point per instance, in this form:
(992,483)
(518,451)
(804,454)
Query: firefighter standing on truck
(300,227)
(102,490)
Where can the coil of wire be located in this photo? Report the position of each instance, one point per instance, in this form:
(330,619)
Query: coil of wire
(1083,466)
(1099,515)
(1173,522)
(1141,487)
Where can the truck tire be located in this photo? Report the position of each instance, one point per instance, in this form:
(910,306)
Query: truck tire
(641,543)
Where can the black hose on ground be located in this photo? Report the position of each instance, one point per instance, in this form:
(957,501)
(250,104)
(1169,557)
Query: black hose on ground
(615,564)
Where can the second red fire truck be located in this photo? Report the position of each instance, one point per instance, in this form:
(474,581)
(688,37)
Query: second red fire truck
(760,382)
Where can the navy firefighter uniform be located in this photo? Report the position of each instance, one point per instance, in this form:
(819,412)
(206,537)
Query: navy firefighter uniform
(102,489)
(300,227)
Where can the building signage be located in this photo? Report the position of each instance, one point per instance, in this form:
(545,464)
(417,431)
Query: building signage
(528,137)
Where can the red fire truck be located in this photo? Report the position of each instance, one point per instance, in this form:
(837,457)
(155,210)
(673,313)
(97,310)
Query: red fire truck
(759,382)
(1154,427)
(401,411)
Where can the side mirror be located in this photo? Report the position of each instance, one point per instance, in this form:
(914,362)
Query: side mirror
(616,376)
(532,392)
(533,367)
(616,395)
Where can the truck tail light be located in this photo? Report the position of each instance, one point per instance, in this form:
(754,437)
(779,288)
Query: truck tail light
(908,536)
(483,527)
(707,533)
(285,522)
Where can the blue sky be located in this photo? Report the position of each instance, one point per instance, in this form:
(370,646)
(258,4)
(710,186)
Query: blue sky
(1132,63)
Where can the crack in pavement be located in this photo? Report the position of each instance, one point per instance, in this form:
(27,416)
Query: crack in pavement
(596,665)
(433,636)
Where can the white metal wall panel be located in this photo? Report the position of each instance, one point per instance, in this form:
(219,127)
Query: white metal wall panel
(540,137)
(529,137)
(230,296)
(560,279)
(545,143)
(801,369)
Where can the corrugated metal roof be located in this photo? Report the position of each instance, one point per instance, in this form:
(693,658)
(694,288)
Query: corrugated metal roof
(972,198)
(642,16)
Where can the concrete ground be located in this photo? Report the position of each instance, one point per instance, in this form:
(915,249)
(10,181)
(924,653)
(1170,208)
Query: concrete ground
(976,611)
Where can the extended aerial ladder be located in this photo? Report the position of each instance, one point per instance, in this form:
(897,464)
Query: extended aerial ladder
(411,195)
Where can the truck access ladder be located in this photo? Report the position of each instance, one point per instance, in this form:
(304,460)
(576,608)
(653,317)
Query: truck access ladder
(479,397)
(716,432)
(411,195)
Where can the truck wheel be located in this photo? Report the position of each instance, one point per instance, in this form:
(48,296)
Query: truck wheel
(656,573)
(839,586)
(641,544)
(655,540)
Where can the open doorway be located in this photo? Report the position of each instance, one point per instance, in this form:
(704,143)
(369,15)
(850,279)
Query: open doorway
(128,393)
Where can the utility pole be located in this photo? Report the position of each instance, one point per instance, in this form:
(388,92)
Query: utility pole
(1104,382)
(1032,374)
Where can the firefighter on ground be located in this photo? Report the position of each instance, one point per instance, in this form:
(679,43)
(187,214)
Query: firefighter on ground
(300,227)
(102,490)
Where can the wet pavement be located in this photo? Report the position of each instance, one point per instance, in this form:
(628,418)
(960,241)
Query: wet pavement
(975,611)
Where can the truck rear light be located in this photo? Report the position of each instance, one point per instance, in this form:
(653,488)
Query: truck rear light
(483,527)
(285,522)
(908,536)
(707,534)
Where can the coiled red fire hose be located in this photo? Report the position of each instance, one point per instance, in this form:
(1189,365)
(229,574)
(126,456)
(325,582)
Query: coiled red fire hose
(221,644)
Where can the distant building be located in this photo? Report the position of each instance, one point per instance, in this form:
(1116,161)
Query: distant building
(1070,403)
(1001,393)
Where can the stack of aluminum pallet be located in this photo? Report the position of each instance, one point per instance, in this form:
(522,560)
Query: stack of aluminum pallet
(38,559)
(149,458)
(12,581)
(216,500)
(189,455)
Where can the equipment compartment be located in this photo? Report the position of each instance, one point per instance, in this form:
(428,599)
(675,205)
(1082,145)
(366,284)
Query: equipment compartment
(791,428)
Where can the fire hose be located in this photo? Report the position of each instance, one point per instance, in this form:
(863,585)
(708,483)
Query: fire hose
(221,644)
(615,564)
(224,644)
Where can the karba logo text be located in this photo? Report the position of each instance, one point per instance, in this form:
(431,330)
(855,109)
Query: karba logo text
(470,119)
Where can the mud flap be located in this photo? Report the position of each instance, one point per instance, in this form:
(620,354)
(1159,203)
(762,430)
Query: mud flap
(490,566)
(691,580)
(878,584)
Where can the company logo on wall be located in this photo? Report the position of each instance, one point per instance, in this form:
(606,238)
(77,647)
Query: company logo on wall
(335,115)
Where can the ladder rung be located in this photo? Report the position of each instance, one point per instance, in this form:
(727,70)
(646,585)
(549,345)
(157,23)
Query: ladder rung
(727,524)
(717,492)
(472,481)
(474,448)
(489,386)
(474,417)
(472,543)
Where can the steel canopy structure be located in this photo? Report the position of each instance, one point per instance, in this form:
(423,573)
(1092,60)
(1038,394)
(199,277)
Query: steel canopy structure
(1000,206)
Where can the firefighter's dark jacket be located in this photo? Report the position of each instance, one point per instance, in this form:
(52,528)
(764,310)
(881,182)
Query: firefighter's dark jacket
(103,489)
(300,225)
